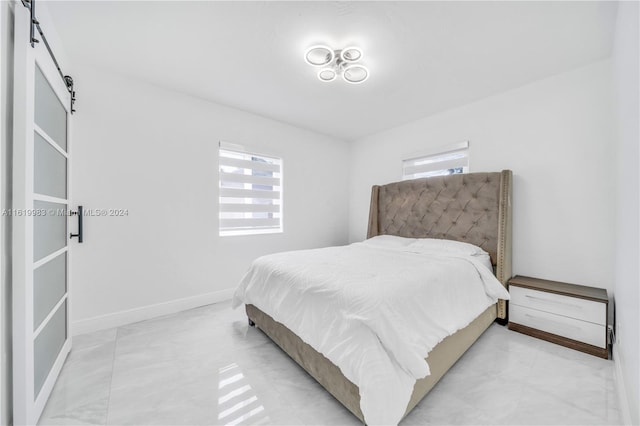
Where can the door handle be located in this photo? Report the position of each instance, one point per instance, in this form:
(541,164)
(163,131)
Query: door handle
(79,214)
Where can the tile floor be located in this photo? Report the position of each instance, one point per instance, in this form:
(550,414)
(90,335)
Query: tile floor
(206,366)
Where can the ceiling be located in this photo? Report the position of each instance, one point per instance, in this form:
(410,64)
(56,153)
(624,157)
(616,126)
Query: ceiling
(424,57)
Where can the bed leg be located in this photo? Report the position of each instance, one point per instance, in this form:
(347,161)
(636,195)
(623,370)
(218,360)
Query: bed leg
(251,323)
(502,321)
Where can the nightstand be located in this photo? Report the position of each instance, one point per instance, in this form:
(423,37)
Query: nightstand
(570,315)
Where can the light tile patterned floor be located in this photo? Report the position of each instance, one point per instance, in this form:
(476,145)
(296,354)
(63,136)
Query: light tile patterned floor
(206,366)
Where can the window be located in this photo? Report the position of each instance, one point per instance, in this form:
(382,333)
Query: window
(250,192)
(448,161)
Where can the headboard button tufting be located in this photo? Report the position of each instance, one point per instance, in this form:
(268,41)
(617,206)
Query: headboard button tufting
(456,207)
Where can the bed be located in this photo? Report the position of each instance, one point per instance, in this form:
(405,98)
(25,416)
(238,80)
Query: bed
(463,210)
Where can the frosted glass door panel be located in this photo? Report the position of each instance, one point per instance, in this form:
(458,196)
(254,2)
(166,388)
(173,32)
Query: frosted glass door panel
(50,171)
(50,115)
(49,228)
(47,347)
(49,285)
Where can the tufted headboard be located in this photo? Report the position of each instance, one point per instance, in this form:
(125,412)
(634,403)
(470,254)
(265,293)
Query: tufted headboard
(473,207)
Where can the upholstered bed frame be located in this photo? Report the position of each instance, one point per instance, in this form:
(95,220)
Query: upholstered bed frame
(473,208)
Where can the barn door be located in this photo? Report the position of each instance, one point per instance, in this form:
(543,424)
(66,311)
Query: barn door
(41,224)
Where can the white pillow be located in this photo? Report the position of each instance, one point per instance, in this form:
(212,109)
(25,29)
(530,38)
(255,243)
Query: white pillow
(446,246)
(431,246)
(389,241)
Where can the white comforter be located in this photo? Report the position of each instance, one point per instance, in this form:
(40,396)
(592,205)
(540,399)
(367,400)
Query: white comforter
(375,309)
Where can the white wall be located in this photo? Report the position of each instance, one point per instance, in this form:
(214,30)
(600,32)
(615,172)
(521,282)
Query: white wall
(556,135)
(627,277)
(154,152)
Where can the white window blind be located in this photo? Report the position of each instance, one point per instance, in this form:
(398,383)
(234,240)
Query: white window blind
(250,192)
(453,160)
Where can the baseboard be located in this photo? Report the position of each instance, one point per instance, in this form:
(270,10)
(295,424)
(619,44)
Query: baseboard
(129,316)
(623,400)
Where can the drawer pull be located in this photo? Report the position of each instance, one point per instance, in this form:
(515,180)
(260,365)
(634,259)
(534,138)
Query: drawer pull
(553,322)
(553,301)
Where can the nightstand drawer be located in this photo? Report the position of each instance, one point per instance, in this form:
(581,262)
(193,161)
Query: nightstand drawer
(580,309)
(574,329)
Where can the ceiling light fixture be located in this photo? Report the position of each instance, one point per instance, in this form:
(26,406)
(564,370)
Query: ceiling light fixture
(337,62)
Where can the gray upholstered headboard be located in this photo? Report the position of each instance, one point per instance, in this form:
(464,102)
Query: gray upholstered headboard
(472,207)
